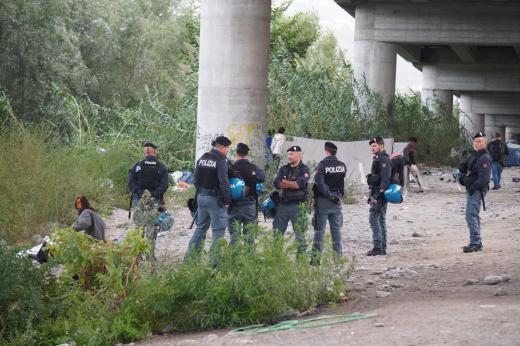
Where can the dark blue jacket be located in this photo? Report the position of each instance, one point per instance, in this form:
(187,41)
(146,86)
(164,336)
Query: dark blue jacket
(162,180)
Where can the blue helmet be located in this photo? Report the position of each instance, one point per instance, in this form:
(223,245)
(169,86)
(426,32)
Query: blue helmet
(268,207)
(259,189)
(237,188)
(393,194)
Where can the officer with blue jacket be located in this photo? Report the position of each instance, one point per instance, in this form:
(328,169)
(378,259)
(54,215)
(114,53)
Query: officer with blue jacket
(211,181)
(378,181)
(328,189)
(148,174)
(243,212)
(292,180)
(475,170)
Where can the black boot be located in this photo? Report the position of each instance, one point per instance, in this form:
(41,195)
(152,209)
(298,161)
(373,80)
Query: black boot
(375,252)
(472,248)
(383,252)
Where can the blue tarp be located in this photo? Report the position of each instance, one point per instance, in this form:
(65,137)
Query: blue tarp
(513,159)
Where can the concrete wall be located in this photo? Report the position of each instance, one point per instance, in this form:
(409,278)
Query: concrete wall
(356,155)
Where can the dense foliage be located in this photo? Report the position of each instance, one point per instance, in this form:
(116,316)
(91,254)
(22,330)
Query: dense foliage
(103,295)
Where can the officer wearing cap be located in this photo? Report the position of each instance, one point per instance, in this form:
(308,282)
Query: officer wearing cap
(148,174)
(292,180)
(378,181)
(243,212)
(211,181)
(476,169)
(328,189)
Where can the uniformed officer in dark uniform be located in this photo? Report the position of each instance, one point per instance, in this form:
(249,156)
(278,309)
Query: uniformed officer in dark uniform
(329,188)
(211,180)
(243,212)
(292,180)
(378,181)
(476,169)
(148,174)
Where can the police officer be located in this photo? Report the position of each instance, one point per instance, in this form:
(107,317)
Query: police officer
(148,174)
(329,188)
(378,181)
(211,181)
(476,169)
(292,180)
(243,212)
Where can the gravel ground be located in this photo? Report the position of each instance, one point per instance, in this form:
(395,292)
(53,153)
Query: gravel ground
(426,291)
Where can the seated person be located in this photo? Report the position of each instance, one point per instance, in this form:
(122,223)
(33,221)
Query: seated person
(88,220)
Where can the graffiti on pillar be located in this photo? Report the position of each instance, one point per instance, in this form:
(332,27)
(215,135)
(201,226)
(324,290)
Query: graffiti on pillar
(204,140)
(249,133)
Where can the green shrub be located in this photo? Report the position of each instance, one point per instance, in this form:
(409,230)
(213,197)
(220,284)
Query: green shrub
(249,285)
(22,296)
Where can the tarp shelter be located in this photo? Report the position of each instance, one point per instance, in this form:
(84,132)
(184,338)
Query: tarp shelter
(356,155)
(513,159)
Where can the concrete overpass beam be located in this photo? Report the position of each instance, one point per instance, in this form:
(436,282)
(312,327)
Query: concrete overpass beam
(496,103)
(374,61)
(233,59)
(475,77)
(490,24)
(466,54)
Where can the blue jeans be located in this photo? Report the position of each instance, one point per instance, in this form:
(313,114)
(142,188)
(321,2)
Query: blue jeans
(327,210)
(473,203)
(286,212)
(239,218)
(210,212)
(496,170)
(377,219)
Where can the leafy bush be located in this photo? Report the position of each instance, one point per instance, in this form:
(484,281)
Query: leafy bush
(412,118)
(22,296)
(249,285)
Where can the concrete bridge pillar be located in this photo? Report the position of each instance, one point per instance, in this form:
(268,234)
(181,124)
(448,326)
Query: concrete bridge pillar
(233,60)
(373,60)
(470,123)
(436,100)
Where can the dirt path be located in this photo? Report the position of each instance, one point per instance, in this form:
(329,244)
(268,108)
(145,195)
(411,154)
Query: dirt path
(426,291)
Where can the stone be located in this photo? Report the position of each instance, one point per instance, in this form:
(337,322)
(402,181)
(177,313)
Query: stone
(506,278)
(416,235)
(386,288)
(396,285)
(370,283)
(379,325)
(382,294)
(500,292)
(469,282)
(493,280)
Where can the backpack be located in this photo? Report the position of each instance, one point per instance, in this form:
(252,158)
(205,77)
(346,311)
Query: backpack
(496,150)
